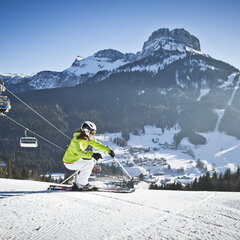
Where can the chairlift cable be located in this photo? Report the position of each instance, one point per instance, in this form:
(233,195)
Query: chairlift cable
(19,124)
(37,113)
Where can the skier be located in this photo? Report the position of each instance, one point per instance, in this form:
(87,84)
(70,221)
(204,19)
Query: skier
(78,158)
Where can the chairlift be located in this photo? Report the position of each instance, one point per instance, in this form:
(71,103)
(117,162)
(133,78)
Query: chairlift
(26,141)
(4,104)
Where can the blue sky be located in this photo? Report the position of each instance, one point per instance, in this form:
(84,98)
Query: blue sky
(39,35)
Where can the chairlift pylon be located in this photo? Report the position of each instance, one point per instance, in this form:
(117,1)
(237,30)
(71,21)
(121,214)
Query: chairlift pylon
(26,141)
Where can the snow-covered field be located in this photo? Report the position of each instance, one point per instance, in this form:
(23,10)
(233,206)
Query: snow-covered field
(153,153)
(28,211)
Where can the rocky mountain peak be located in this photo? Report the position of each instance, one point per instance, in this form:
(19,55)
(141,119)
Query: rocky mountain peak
(178,35)
(79,58)
(111,54)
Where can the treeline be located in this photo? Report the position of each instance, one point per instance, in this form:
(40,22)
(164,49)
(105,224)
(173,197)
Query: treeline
(113,170)
(41,159)
(223,182)
(10,170)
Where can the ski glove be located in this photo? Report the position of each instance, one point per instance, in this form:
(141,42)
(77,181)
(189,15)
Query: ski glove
(97,156)
(112,153)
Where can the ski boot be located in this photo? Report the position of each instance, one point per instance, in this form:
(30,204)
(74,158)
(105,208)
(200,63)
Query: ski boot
(80,187)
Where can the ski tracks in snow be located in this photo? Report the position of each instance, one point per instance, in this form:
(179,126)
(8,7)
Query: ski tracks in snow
(144,214)
(153,229)
(207,218)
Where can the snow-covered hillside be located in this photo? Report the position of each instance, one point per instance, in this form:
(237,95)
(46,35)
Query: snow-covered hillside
(105,60)
(153,153)
(29,211)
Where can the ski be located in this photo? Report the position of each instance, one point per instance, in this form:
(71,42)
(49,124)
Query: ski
(116,189)
(69,188)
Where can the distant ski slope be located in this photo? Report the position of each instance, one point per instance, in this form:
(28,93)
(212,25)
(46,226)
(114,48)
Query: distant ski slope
(28,211)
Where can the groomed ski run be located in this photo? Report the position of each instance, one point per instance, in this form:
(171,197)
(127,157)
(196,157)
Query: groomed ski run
(29,211)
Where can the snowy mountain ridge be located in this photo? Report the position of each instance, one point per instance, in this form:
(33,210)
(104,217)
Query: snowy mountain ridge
(98,62)
(163,48)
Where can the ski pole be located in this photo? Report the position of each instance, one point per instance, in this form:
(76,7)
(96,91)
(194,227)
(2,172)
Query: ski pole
(123,168)
(69,177)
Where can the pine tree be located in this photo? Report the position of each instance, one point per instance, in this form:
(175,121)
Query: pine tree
(195,185)
(9,169)
(227,178)
(25,173)
(208,182)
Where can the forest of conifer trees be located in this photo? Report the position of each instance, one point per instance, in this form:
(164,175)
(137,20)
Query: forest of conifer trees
(226,181)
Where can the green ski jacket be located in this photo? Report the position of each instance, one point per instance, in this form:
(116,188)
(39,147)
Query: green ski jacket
(76,149)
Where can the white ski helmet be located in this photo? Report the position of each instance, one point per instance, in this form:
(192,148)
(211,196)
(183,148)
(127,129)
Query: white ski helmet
(88,128)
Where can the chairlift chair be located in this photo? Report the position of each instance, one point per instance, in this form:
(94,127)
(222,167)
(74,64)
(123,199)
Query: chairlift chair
(26,141)
(4,104)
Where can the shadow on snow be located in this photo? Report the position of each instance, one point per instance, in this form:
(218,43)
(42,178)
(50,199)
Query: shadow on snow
(5,194)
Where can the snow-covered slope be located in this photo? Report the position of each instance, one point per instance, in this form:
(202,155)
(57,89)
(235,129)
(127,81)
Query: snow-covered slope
(153,153)
(105,60)
(28,211)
